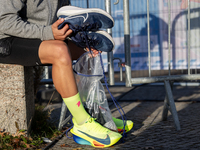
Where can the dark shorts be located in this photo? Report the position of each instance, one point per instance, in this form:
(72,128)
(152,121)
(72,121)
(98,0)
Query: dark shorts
(23,52)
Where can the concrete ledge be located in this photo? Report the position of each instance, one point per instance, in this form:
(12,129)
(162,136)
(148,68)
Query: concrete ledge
(16,97)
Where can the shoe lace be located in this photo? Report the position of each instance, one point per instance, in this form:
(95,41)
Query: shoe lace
(88,40)
(84,36)
(84,27)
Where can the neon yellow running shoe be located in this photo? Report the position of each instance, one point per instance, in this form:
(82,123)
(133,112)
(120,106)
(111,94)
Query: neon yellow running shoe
(120,125)
(92,133)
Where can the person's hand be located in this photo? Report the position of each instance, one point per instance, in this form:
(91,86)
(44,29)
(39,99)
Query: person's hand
(62,33)
(94,51)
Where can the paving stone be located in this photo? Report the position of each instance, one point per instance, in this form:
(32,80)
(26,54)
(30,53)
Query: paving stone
(150,132)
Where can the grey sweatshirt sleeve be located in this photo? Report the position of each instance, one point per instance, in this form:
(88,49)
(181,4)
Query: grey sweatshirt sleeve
(12,24)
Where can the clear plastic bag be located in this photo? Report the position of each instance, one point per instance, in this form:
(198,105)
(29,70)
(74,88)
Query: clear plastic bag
(88,73)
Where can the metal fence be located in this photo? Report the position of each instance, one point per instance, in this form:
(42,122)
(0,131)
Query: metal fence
(149,79)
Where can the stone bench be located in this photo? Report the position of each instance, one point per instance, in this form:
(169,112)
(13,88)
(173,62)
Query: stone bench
(16,97)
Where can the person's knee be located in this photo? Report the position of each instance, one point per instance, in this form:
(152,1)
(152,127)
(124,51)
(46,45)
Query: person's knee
(62,55)
(55,52)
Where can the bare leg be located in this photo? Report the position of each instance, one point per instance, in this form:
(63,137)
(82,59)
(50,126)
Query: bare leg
(57,53)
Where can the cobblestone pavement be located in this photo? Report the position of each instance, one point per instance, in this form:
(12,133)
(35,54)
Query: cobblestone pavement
(149,131)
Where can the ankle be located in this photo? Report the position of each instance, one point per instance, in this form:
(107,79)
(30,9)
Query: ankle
(82,122)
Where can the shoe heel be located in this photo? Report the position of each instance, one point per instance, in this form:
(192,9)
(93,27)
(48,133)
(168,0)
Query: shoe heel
(80,140)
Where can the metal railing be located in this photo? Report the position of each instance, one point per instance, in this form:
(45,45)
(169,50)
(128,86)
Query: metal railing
(150,79)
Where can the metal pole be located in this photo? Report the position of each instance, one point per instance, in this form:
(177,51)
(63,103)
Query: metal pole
(148,31)
(46,74)
(189,37)
(110,54)
(127,43)
(172,106)
(169,37)
(87,3)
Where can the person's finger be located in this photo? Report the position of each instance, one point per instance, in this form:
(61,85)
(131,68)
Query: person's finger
(68,32)
(57,23)
(95,51)
(65,28)
(87,49)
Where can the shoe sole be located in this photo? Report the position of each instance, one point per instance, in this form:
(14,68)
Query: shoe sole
(77,11)
(82,140)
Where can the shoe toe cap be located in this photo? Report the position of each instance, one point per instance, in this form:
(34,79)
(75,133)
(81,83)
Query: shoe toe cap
(115,135)
(129,125)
